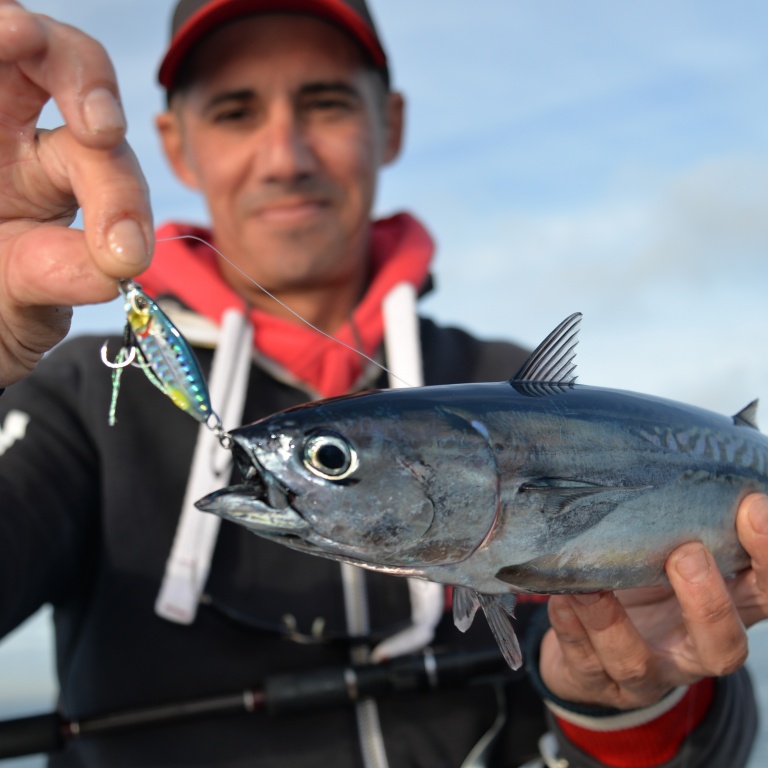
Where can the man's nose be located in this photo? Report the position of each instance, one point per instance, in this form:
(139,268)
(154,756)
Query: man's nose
(285,152)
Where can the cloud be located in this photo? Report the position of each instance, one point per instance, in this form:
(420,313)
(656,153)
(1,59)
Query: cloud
(672,281)
(711,224)
(705,228)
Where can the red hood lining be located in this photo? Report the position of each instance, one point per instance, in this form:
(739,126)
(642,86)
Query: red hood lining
(187,269)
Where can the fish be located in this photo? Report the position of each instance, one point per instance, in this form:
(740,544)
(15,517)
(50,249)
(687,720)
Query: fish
(536,484)
(155,344)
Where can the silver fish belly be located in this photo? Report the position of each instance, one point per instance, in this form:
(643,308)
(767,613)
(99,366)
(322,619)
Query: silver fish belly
(535,484)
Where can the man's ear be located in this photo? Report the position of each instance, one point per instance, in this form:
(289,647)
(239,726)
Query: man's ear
(395,123)
(172,138)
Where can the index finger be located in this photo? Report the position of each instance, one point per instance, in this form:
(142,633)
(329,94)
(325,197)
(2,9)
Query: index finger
(68,65)
(718,639)
(752,527)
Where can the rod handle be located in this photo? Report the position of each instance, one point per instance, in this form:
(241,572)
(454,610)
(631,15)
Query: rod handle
(28,735)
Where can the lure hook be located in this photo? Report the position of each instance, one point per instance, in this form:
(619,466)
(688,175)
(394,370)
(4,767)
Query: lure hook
(122,363)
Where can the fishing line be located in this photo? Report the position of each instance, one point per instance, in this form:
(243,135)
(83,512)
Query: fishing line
(285,306)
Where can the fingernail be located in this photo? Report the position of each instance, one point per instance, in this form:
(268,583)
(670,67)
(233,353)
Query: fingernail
(127,244)
(560,608)
(102,113)
(589,598)
(694,567)
(758,516)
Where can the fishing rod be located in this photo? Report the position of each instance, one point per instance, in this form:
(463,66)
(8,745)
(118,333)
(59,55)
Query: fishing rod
(282,694)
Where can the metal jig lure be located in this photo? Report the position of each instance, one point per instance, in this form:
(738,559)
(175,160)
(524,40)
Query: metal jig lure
(153,343)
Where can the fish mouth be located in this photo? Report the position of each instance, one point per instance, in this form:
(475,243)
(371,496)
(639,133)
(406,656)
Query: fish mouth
(261,503)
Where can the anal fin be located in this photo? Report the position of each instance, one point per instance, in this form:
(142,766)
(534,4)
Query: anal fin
(498,609)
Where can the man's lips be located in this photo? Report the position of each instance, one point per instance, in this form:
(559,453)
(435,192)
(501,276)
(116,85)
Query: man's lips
(291,211)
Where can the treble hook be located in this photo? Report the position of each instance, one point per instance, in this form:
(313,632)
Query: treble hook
(124,364)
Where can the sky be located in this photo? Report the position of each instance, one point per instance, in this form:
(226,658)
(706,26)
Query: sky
(594,156)
(609,158)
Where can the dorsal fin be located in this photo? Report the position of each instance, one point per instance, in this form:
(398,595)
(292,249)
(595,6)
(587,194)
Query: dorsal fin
(747,416)
(552,361)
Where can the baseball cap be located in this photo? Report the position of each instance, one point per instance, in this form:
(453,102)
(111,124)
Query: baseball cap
(193,19)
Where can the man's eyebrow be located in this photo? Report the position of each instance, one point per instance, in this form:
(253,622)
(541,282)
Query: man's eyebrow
(333,86)
(321,87)
(243,94)
(238,96)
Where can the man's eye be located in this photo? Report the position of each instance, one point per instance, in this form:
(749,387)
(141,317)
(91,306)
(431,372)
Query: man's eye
(232,115)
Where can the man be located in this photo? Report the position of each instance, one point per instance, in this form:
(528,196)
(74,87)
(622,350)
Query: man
(281,114)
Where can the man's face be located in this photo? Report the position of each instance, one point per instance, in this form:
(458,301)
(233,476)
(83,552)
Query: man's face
(283,130)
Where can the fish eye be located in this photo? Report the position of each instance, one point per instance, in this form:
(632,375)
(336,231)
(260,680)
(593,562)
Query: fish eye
(329,456)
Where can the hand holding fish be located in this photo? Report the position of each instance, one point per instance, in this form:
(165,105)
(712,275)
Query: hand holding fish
(629,649)
(45,175)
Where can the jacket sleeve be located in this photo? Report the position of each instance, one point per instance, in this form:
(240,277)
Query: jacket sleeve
(48,489)
(711,724)
(723,738)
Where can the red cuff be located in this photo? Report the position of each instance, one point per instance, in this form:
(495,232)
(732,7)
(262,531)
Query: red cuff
(647,744)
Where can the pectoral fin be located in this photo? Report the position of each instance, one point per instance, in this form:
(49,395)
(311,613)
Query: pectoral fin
(572,506)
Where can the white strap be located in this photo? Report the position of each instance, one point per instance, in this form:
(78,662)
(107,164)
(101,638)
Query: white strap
(401,337)
(189,562)
(633,718)
(403,347)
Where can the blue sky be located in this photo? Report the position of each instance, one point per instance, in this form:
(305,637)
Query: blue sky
(597,156)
